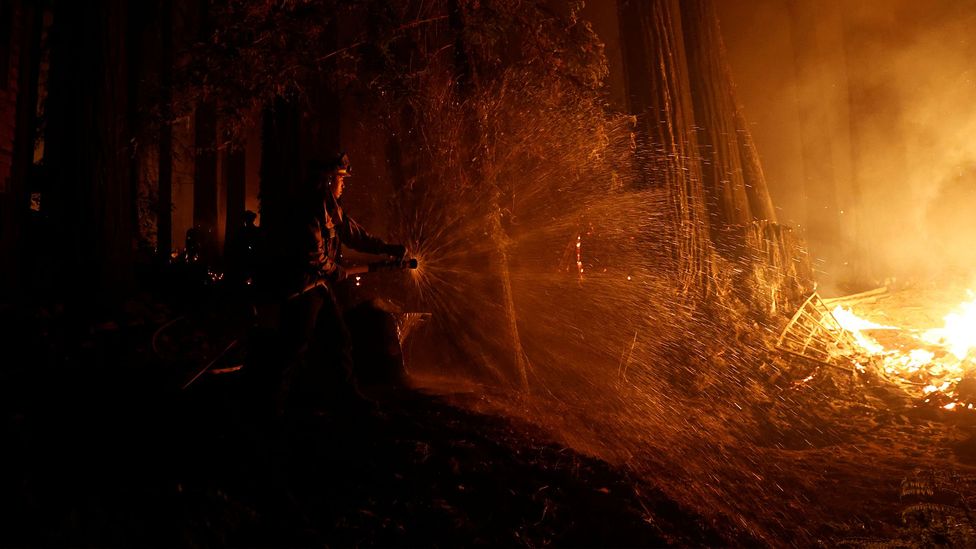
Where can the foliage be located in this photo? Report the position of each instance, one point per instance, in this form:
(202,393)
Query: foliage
(256,50)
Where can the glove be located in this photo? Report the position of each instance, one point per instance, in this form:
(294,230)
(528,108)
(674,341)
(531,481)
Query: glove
(398,251)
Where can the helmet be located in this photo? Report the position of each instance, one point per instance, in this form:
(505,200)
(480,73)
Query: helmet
(339,165)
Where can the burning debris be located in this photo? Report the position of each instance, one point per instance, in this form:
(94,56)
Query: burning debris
(814,333)
(932,363)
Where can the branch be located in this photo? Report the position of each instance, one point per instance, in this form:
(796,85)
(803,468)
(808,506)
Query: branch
(408,26)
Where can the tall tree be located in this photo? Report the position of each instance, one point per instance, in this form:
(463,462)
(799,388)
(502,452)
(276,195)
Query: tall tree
(280,160)
(715,115)
(87,147)
(760,201)
(205,176)
(659,93)
(772,273)
(235,185)
(16,201)
(164,202)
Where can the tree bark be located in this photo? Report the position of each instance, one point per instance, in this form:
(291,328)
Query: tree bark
(17,205)
(280,177)
(86,149)
(715,115)
(164,204)
(760,201)
(234,180)
(466,81)
(205,178)
(136,25)
(659,94)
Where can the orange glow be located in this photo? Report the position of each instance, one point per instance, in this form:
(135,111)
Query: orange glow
(958,334)
(934,368)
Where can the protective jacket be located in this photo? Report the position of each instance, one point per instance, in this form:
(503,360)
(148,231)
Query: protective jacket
(327,228)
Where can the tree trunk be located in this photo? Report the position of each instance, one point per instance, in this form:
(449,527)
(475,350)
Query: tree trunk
(760,201)
(205,178)
(87,146)
(715,115)
(771,274)
(164,204)
(659,93)
(136,25)
(234,179)
(280,177)
(17,203)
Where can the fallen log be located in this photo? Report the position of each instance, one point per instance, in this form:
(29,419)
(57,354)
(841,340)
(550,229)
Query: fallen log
(875,294)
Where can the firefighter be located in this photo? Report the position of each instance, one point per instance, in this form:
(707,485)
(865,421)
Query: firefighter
(243,251)
(318,374)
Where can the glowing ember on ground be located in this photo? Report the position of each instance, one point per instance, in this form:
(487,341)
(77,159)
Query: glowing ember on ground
(942,358)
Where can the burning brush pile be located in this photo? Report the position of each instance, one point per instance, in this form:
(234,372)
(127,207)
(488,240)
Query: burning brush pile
(922,340)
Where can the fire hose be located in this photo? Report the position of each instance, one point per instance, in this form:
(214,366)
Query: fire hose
(374,267)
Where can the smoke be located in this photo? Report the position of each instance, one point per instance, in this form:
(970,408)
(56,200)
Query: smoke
(918,210)
(866,129)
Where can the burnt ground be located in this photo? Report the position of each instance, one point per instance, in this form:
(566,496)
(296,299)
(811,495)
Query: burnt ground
(103,448)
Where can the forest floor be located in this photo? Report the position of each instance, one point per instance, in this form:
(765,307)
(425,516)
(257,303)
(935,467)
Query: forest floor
(105,449)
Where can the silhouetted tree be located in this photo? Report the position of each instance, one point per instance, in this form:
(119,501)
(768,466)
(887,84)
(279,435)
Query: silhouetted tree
(15,202)
(87,148)
(659,93)
(164,201)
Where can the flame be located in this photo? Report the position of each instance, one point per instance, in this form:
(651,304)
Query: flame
(854,324)
(937,372)
(959,333)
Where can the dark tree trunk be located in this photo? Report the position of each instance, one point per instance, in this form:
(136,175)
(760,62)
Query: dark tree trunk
(234,180)
(87,148)
(7,25)
(293,134)
(772,273)
(659,93)
(715,115)
(320,124)
(280,177)
(205,178)
(280,160)
(760,201)
(15,208)
(164,204)
(136,26)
